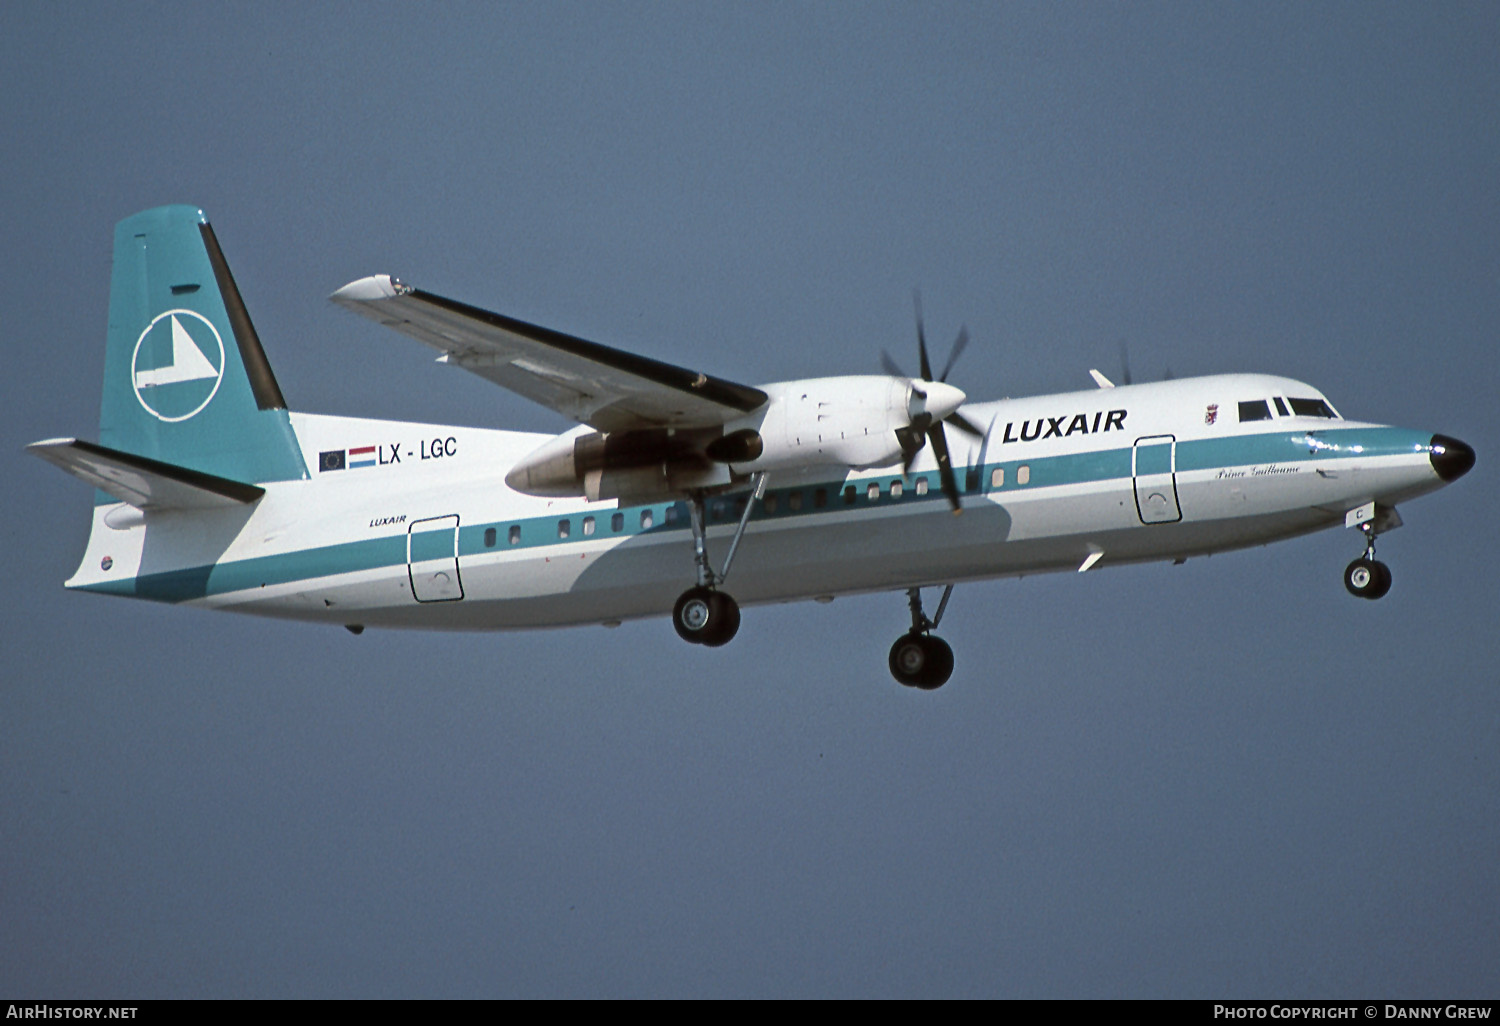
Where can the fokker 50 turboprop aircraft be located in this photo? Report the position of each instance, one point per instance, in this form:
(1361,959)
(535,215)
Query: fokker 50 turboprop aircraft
(212,493)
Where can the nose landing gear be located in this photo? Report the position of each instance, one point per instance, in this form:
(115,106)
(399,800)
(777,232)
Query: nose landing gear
(920,659)
(1367,577)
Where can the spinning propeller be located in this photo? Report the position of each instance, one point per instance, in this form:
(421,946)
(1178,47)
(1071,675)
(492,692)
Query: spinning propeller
(932,402)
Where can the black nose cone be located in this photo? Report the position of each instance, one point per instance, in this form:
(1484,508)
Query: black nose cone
(1451,458)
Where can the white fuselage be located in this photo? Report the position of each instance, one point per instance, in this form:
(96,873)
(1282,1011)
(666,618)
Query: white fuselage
(414,526)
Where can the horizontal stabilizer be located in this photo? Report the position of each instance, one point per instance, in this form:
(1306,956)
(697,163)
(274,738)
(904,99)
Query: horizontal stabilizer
(145,483)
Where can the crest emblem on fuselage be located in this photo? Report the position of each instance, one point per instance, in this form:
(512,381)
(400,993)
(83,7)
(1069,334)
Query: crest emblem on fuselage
(178,365)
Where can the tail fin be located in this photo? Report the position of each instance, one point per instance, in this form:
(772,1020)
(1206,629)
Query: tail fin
(185,379)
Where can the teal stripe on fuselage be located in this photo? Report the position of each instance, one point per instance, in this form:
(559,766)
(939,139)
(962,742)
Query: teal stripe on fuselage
(1280,447)
(1299,446)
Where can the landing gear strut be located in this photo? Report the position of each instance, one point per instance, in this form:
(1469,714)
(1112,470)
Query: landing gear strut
(1367,577)
(920,659)
(704,615)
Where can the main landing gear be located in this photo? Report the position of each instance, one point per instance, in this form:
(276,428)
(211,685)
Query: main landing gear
(704,615)
(920,659)
(1367,577)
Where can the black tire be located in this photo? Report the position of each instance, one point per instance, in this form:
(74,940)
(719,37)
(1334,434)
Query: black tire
(691,614)
(921,661)
(939,664)
(1367,578)
(908,659)
(703,616)
(723,620)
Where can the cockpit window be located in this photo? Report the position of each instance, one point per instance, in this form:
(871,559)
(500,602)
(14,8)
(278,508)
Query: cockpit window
(1281,406)
(1312,408)
(1255,409)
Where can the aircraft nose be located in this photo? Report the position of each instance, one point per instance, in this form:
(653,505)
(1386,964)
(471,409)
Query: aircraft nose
(1451,458)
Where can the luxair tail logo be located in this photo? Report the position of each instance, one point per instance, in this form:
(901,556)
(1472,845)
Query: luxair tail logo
(178,365)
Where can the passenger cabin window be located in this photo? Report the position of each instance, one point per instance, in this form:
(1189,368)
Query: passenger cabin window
(489,537)
(617,522)
(564,528)
(873,491)
(646,520)
(820,498)
(1255,409)
(793,501)
(1311,408)
(588,526)
(895,489)
(997,477)
(849,495)
(515,534)
(921,487)
(769,502)
(1023,475)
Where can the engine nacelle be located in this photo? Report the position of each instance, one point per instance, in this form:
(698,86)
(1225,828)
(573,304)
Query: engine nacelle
(846,422)
(849,422)
(633,466)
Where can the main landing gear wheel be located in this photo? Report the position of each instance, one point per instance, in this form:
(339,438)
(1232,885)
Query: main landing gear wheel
(703,616)
(1367,578)
(921,661)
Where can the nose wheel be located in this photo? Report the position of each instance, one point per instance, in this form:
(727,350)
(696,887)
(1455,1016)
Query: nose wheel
(1367,577)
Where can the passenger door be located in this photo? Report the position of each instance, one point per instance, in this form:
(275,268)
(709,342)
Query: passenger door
(432,559)
(1153,467)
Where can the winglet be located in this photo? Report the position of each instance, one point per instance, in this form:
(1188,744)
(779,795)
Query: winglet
(1100,379)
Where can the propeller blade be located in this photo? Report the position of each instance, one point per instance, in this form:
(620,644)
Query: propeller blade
(964,424)
(958,347)
(890,366)
(922,338)
(945,467)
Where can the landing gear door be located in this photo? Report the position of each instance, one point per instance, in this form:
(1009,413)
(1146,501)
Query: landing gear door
(432,560)
(1153,466)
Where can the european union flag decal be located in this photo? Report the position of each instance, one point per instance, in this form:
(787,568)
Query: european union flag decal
(331,460)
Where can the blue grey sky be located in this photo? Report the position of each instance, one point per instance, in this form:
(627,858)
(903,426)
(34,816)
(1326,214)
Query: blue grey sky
(1222,779)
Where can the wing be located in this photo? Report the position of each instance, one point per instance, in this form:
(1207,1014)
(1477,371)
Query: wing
(606,388)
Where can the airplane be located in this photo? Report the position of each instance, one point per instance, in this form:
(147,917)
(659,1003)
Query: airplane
(212,493)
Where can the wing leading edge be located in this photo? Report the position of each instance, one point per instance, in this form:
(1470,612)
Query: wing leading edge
(608,389)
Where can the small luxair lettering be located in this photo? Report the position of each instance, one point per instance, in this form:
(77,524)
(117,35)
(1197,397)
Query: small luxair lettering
(388,521)
(1052,427)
